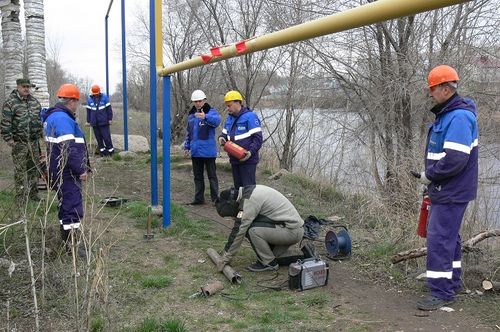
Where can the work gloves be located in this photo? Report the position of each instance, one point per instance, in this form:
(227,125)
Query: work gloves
(246,157)
(421,177)
(222,141)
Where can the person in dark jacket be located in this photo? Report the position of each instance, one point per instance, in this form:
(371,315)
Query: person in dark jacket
(451,177)
(67,158)
(100,117)
(201,145)
(267,218)
(21,129)
(242,127)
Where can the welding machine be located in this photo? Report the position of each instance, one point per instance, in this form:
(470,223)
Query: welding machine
(308,273)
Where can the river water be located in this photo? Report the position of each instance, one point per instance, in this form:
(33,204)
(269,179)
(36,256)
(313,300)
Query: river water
(332,149)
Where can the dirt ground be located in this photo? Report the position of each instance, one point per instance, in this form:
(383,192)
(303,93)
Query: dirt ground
(359,302)
(356,298)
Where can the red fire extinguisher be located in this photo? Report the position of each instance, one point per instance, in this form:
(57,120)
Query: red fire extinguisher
(424,215)
(235,150)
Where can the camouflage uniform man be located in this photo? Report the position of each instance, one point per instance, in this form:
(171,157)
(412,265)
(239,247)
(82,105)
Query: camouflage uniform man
(21,128)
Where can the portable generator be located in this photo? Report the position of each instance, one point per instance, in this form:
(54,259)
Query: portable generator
(308,273)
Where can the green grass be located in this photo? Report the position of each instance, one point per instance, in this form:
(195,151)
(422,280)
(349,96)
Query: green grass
(267,172)
(97,324)
(138,210)
(315,299)
(182,226)
(176,159)
(325,192)
(155,281)
(153,325)
(156,278)
(224,167)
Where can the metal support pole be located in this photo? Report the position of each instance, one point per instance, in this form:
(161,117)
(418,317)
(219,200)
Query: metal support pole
(107,53)
(152,106)
(166,151)
(107,46)
(124,78)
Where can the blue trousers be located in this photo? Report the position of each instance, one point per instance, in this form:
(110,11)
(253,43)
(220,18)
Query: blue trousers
(69,195)
(103,138)
(243,174)
(444,250)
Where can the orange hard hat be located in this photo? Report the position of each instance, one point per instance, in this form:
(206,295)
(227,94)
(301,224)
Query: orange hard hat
(442,74)
(70,91)
(95,89)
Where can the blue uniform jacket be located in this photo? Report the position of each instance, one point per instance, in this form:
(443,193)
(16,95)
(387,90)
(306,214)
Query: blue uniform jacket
(65,145)
(200,134)
(452,152)
(245,131)
(99,111)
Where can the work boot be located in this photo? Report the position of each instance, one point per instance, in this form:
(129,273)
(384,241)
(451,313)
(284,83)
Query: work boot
(196,203)
(64,235)
(259,267)
(81,251)
(431,303)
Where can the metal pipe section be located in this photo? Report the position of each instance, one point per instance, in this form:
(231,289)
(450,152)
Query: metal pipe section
(166,151)
(228,271)
(106,51)
(370,13)
(124,80)
(153,108)
(158,35)
(106,45)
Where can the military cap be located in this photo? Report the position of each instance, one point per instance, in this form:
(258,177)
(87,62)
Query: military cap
(24,81)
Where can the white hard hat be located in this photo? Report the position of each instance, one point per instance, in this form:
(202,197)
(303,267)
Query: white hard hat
(198,95)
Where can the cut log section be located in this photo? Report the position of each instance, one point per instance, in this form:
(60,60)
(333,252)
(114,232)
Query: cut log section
(467,246)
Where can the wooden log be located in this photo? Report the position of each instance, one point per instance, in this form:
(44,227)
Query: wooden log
(466,247)
(491,285)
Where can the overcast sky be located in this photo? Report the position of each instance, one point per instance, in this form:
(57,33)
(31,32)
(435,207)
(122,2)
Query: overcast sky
(77,28)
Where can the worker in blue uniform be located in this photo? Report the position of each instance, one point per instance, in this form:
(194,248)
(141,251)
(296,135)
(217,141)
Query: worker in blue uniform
(451,177)
(242,127)
(67,159)
(100,117)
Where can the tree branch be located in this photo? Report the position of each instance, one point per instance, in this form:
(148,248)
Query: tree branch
(467,246)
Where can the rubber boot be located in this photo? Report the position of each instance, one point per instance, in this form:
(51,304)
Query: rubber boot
(79,245)
(66,239)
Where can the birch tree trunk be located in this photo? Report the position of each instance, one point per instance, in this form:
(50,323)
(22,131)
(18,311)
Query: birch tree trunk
(35,43)
(12,43)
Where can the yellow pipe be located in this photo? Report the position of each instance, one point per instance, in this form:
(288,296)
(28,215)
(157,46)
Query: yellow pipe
(158,36)
(370,13)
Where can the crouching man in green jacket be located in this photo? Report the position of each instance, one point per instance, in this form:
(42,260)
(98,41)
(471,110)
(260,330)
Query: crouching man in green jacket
(266,217)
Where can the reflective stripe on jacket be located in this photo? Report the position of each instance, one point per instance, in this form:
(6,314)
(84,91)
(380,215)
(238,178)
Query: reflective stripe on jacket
(99,111)
(66,146)
(244,130)
(451,161)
